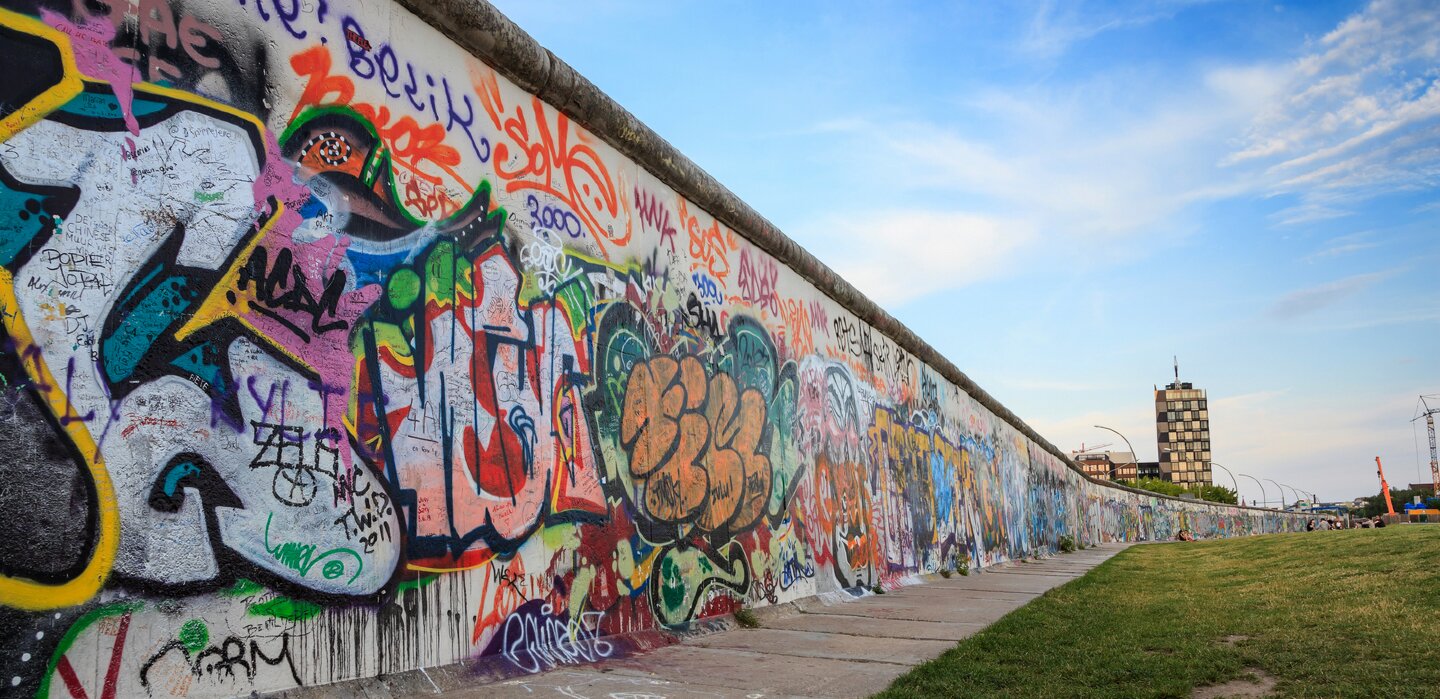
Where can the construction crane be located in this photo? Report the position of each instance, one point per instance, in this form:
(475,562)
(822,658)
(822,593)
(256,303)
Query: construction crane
(1384,487)
(1092,448)
(1428,413)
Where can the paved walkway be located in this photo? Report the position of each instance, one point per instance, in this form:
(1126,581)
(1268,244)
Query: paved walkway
(813,649)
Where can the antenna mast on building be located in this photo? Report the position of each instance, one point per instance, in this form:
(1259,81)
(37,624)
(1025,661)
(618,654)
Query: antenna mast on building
(1177,367)
(1428,413)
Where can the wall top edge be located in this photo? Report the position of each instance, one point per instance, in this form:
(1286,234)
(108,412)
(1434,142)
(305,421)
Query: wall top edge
(484,31)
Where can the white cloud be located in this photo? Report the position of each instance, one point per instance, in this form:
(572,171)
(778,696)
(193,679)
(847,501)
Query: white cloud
(980,206)
(1307,213)
(1086,168)
(894,256)
(1306,301)
(1053,30)
(1340,246)
(1070,178)
(1356,116)
(1249,87)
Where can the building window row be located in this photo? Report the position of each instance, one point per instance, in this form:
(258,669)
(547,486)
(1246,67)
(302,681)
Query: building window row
(1180,394)
(1181,415)
(1186,456)
(1195,454)
(1202,436)
(1183,404)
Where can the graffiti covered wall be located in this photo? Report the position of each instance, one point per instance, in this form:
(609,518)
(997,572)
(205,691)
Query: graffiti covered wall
(327,352)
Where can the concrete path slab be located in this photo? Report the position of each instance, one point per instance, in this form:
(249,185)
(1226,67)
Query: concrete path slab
(588,683)
(975,593)
(813,644)
(1080,568)
(879,628)
(767,673)
(997,582)
(1033,569)
(975,607)
(817,649)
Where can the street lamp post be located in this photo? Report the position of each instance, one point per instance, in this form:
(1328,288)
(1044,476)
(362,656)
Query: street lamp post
(1262,489)
(1298,492)
(1282,493)
(1304,494)
(1128,444)
(1232,478)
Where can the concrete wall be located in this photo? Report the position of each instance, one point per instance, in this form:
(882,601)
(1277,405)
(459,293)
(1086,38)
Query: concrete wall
(329,351)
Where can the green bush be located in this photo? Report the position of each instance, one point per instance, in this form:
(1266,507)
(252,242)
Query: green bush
(945,573)
(1067,544)
(746,618)
(1213,493)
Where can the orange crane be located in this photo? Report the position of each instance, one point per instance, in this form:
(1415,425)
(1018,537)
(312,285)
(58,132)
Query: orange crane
(1384,487)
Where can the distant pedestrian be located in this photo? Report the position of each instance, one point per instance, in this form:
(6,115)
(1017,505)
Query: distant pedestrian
(1379,522)
(1310,526)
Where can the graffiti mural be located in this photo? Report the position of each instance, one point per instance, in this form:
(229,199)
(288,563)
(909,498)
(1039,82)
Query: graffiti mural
(327,352)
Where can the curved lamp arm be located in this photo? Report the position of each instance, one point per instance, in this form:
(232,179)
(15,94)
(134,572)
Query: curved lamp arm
(1262,488)
(1275,483)
(1232,478)
(1133,455)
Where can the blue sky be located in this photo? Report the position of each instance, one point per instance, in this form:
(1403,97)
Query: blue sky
(1061,196)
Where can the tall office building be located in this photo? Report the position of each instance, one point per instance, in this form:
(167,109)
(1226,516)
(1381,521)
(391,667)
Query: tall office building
(1182,428)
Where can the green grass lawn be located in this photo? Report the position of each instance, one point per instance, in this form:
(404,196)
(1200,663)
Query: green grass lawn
(1352,613)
